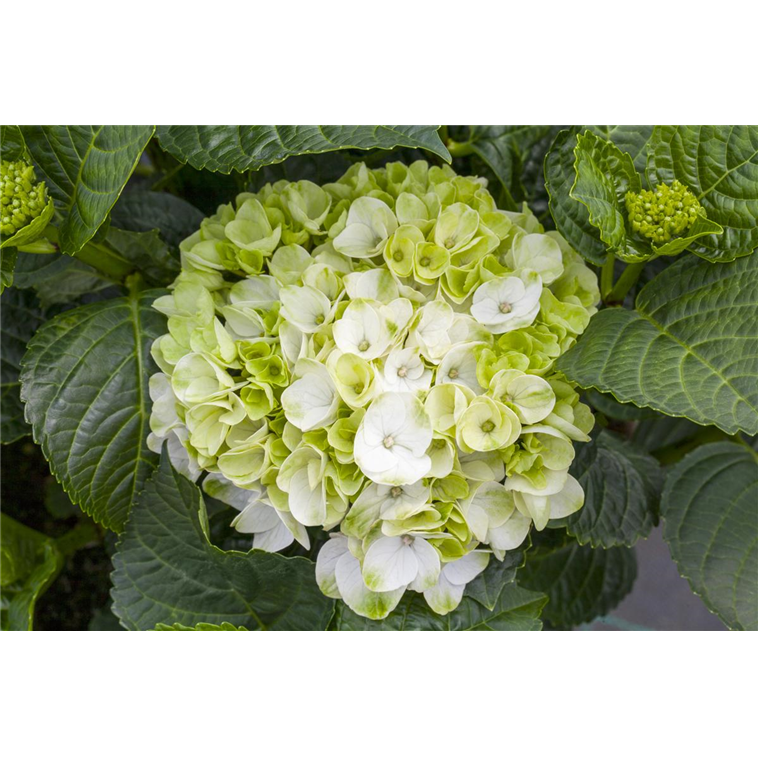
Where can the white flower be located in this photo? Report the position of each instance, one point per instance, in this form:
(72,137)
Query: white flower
(338,574)
(376,284)
(430,331)
(493,518)
(537,252)
(508,302)
(562,496)
(391,442)
(459,367)
(447,593)
(311,401)
(378,501)
(394,562)
(404,371)
(305,307)
(370,222)
(261,292)
(362,330)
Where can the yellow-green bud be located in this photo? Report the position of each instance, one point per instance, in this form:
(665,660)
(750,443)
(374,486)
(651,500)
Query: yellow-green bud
(664,212)
(21,198)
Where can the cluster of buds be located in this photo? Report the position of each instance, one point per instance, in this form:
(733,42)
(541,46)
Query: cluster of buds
(22,198)
(662,213)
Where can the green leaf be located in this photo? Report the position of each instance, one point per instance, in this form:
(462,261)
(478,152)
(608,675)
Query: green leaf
(632,139)
(243,148)
(11,143)
(33,230)
(58,278)
(29,563)
(488,585)
(199,627)
(688,350)
(619,411)
(516,609)
(174,218)
(8,257)
(505,150)
(20,316)
(710,508)
(660,431)
(84,381)
(148,252)
(719,164)
(166,570)
(621,485)
(604,174)
(85,168)
(582,583)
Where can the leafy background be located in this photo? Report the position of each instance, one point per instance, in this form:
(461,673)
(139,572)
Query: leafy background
(84,539)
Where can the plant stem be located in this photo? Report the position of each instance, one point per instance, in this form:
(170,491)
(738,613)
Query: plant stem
(76,538)
(626,281)
(459,149)
(606,276)
(99,256)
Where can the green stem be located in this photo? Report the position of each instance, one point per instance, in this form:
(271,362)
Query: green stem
(459,149)
(99,256)
(626,281)
(76,538)
(606,276)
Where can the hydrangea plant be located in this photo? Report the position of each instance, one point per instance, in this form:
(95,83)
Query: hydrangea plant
(376,357)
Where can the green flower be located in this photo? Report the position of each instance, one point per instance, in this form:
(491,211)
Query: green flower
(25,209)
(663,213)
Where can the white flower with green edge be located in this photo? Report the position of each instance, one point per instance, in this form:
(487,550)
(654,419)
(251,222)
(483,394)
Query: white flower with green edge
(378,501)
(574,422)
(215,340)
(338,574)
(456,227)
(302,477)
(293,342)
(397,315)
(376,284)
(362,330)
(311,401)
(391,442)
(467,330)
(199,378)
(370,222)
(459,367)
(555,450)
(242,322)
(530,397)
(246,464)
(442,453)
(525,220)
(445,405)
(305,307)
(187,299)
(493,518)
(308,204)
(324,279)
(258,399)
(164,416)
(415,211)
(354,377)
(257,292)
(325,254)
(289,263)
(394,562)
(430,261)
(508,303)
(430,330)
(562,495)
(184,460)
(209,256)
(447,593)
(487,425)
(404,371)
(536,252)
(251,229)
(209,423)
(572,317)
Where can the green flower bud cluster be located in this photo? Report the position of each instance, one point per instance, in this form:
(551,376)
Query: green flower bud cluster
(375,357)
(663,213)
(22,198)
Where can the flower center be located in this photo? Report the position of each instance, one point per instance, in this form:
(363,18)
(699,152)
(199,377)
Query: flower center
(358,388)
(425,261)
(449,243)
(488,426)
(452,373)
(319,319)
(273,370)
(506,307)
(398,257)
(363,346)
(396,491)
(407,540)
(402,372)
(388,442)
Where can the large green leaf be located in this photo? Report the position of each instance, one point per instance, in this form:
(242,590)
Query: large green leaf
(516,609)
(621,485)
(689,349)
(710,507)
(84,381)
(242,148)
(11,143)
(199,627)
(58,278)
(29,563)
(20,316)
(720,165)
(148,252)
(660,431)
(582,583)
(174,218)
(628,138)
(167,571)
(8,257)
(488,585)
(85,168)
